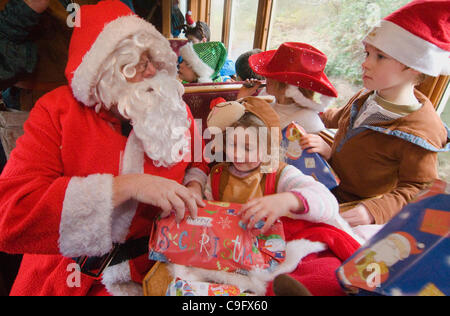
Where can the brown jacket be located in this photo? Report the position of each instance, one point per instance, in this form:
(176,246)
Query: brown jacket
(394,160)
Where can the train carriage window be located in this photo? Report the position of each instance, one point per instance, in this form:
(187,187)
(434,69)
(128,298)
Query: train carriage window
(242,27)
(216,20)
(444,158)
(334,27)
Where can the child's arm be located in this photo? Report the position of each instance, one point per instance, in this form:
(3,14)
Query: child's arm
(313,143)
(358,215)
(208,191)
(331,117)
(298,196)
(416,172)
(321,204)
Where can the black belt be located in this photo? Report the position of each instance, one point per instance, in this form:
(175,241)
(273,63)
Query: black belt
(131,249)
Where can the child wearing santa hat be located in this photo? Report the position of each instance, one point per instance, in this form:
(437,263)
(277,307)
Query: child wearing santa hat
(202,62)
(295,74)
(196,32)
(389,135)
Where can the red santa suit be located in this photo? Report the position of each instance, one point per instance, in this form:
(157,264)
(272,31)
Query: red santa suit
(57,188)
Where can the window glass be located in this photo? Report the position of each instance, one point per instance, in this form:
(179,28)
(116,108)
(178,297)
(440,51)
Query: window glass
(444,158)
(178,18)
(216,20)
(336,27)
(243,25)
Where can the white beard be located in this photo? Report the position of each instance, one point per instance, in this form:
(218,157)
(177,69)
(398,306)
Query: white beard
(159,117)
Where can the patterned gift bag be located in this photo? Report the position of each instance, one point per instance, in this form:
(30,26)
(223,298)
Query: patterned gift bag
(310,164)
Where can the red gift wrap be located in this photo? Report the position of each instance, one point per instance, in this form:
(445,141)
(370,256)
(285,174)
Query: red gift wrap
(217,240)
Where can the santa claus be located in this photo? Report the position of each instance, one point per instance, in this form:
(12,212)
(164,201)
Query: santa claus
(100,158)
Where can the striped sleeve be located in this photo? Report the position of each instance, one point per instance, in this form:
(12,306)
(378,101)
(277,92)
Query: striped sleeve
(323,206)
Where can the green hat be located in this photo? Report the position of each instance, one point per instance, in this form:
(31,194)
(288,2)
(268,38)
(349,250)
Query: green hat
(205,59)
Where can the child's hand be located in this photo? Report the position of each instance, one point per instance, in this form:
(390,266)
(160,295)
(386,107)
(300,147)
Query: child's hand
(358,215)
(315,144)
(271,207)
(249,88)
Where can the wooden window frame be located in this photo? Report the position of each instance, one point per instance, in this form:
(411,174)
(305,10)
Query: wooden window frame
(434,88)
(166,18)
(201,10)
(263,20)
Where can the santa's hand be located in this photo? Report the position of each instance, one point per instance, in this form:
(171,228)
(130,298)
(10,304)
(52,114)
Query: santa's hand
(313,143)
(358,215)
(166,194)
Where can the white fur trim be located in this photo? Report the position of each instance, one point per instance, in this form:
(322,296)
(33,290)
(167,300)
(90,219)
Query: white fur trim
(117,281)
(85,75)
(296,250)
(446,68)
(203,71)
(85,227)
(409,49)
(256,281)
(117,278)
(294,93)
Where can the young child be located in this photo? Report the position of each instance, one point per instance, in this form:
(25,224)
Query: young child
(202,62)
(196,32)
(199,32)
(388,137)
(243,70)
(283,193)
(294,74)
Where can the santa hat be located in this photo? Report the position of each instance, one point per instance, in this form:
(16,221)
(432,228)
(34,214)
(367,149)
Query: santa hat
(412,247)
(417,35)
(205,59)
(297,64)
(189,20)
(102,27)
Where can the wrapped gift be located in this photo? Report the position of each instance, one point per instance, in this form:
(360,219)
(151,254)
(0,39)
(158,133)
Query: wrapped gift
(311,164)
(410,255)
(217,240)
(180,287)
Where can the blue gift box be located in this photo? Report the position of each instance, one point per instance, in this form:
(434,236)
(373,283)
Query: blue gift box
(410,256)
(311,164)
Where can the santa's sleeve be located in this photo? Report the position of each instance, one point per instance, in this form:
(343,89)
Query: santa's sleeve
(42,211)
(198,169)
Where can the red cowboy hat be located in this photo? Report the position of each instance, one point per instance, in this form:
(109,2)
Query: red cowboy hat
(297,64)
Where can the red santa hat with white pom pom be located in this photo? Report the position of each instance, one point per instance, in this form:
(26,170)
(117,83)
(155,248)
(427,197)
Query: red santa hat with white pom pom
(417,35)
(189,20)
